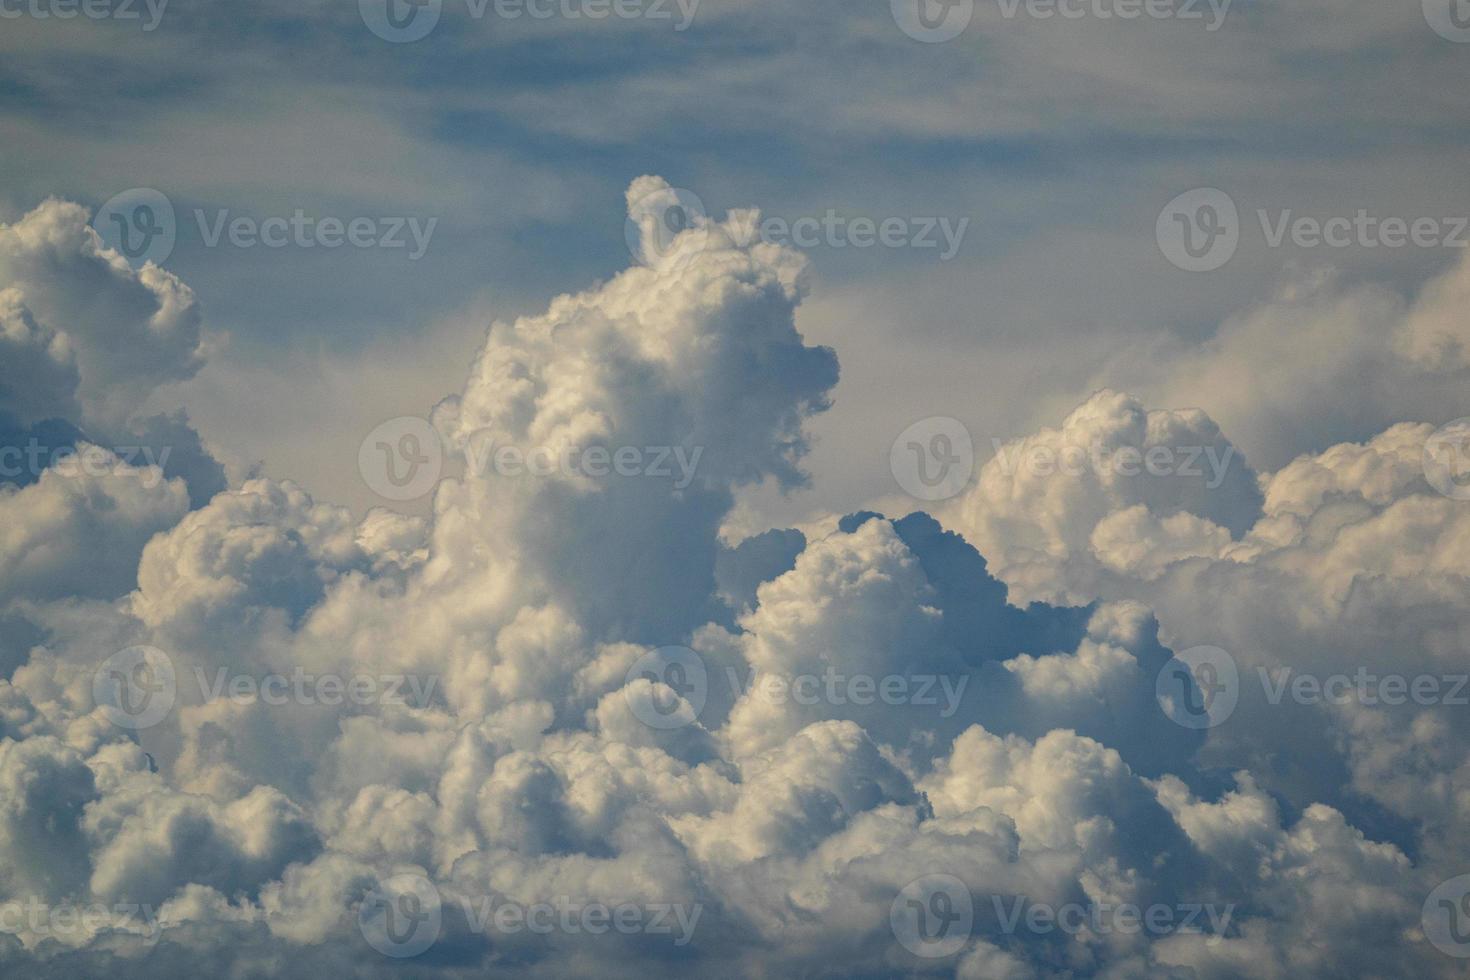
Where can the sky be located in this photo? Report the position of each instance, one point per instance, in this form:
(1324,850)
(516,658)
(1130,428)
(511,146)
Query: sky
(878,488)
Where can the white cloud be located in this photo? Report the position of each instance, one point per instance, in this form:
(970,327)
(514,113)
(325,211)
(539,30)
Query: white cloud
(781,832)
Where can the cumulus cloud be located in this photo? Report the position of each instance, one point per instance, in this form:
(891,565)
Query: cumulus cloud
(1321,361)
(795,755)
(87,340)
(1047,508)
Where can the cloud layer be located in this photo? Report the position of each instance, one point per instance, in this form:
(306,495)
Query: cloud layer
(562,728)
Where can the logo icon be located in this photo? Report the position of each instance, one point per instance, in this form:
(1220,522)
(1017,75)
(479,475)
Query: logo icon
(400,21)
(1446,917)
(401,916)
(1447,459)
(932,21)
(401,459)
(933,459)
(139,224)
(933,916)
(656,225)
(1199,688)
(1450,19)
(135,688)
(1199,230)
(679,686)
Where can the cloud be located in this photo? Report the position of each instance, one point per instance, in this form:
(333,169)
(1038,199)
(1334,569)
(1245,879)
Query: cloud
(87,340)
(80,529)
(964,704)
(130,330)
(1045,508)
(1323,360)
